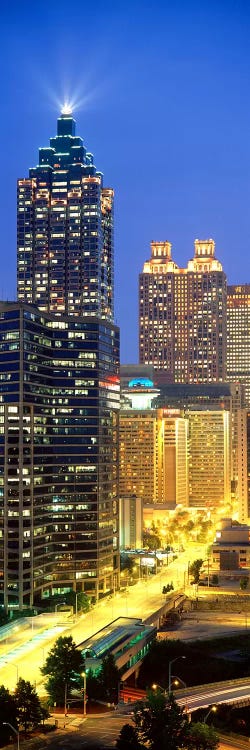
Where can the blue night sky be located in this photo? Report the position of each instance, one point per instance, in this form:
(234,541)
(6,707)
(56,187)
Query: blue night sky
(163,103)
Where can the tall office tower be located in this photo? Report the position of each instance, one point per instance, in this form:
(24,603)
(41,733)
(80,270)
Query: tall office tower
(65,231)
(59,401)
(59,397)
(182,315)
(209,459)
(238,336)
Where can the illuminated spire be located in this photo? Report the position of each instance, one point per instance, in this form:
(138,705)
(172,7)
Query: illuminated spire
(66,109)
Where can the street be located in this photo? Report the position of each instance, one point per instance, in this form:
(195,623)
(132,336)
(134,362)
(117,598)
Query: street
(141,600)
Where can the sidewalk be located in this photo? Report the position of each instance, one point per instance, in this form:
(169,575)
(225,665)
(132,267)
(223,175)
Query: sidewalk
(71,721)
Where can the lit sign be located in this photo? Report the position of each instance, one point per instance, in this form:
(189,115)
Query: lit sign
(141,383)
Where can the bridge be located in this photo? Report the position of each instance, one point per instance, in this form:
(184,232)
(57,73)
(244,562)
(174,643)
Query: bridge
(233,692)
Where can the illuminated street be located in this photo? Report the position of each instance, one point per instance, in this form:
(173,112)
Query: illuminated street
(25,652)
(25,658)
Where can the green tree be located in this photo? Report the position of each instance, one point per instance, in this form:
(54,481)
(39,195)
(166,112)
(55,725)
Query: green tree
(109,677)
(151,540)
(127,562)
(244,583)
(83,601)
(160,723)
(94,686)
(8,712)
(215,579)
(200,736)
(195,568)
(29,708)
(128,739)
(63,667)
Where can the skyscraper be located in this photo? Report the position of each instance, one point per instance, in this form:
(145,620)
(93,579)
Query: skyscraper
(59,374)
(65,231)
(238,336)
(210,459)
(182,315)
(59,402)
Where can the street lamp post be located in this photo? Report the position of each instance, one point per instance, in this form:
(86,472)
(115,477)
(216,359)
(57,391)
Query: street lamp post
(83,674)
(7,723)
(169,670)
(157,685)
(214,709)
(65,698)
(177,680)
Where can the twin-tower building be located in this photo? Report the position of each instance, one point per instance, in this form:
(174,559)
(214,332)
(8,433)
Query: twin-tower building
(184,425)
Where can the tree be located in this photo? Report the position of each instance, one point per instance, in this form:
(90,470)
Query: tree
(151,540)
(94,686)
(29,708)
(201,737)
(160,723)
(63,667)
(195,568)
(83,601)
(127,562)
(109,677)
(215,579)
(8,712)
(244,583)
(128,739)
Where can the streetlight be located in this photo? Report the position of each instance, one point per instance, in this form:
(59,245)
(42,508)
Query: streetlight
(169,670)
(214,709)
(156,685)
(65,698)
(7,723)
(83,674)
(177,680)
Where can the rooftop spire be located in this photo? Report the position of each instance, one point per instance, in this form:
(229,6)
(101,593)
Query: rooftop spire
(66,109)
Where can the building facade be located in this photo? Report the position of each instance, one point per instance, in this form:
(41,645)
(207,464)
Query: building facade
(209,459)
(231,549)
(65,231)
(59,399)
(182,315)
(131,522)
(238,336)
(59,384)
(152,448)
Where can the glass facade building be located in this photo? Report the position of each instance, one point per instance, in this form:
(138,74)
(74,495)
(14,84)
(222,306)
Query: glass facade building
(59,384)
(65,251)
(59,398)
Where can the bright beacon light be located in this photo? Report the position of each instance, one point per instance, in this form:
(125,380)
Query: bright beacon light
(66,109)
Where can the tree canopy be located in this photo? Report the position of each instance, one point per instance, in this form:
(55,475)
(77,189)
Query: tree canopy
(159,722)
(8,713)
(195,568)
(104,685)
(63,667)
(29,709)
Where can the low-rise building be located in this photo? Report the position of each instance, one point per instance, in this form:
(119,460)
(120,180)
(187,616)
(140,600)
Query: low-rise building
(231,548)
(127,638)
